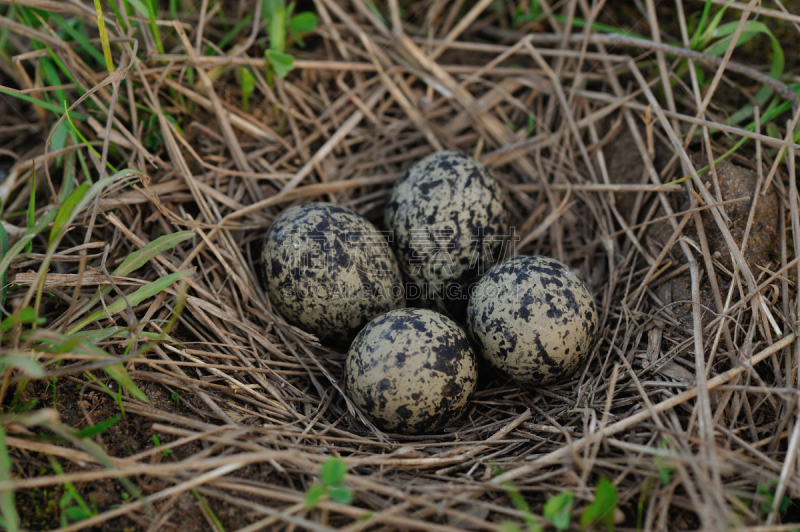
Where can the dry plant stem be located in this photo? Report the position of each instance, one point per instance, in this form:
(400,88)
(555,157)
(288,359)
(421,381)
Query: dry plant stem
(663,406)
(794,443)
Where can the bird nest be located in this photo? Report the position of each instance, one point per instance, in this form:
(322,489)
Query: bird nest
(161,390)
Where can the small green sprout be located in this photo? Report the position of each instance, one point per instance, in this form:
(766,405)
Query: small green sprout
(157,442)
(601,511)
(332,473)
(558,510)
(665,470)
(519,503)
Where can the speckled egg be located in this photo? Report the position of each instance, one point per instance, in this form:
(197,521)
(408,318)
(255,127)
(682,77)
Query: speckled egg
(448,218)
(533,319)
(329,271)
(411,371)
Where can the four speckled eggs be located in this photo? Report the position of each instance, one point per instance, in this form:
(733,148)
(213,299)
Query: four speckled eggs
(330,272)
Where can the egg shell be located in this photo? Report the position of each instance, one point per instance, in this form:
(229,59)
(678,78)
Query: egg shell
(533,319)
(329,271)
(411,371)
(448,218)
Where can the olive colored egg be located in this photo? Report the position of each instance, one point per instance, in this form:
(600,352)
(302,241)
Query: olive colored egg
(329,271)
(448,219)
(533,319)
(411,371)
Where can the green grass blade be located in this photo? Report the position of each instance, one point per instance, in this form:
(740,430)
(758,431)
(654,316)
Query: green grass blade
(101,27)
(17,248)
(99,428)
(710,31)
(66,213)
(98,335)
(152,7)
(4,273)
(234,32)
(85,141)
(580,23)
(248,85)
(120,18)
(701,26)
(143,293)
(41,103)
(78,37)
(7,506)
(139,258)
(31,217)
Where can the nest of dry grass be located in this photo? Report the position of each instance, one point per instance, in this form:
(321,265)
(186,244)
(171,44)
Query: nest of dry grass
(695,376)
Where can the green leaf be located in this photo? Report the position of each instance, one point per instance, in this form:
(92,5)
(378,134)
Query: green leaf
(29,367)
(103,426)
(601,511)
(558,510)
(313,495)
(141,294)
(282,63)
(519,501)
(340,494)
(333,471)
(139,6)
(76,513)
(66,213)
(25,315)
(509,526)
(304,22)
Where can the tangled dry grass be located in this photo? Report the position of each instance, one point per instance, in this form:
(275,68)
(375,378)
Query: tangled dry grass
(696,371)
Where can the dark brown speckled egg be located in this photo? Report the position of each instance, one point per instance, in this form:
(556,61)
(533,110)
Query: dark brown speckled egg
(329,271)
(448,218)
(411,371)
(533,319)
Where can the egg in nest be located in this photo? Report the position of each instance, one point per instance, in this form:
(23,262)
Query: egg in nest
(411,371)
(533,319)
(448,218)
(329,271)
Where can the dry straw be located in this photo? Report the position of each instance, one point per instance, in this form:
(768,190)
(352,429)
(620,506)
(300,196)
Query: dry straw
(590,134)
